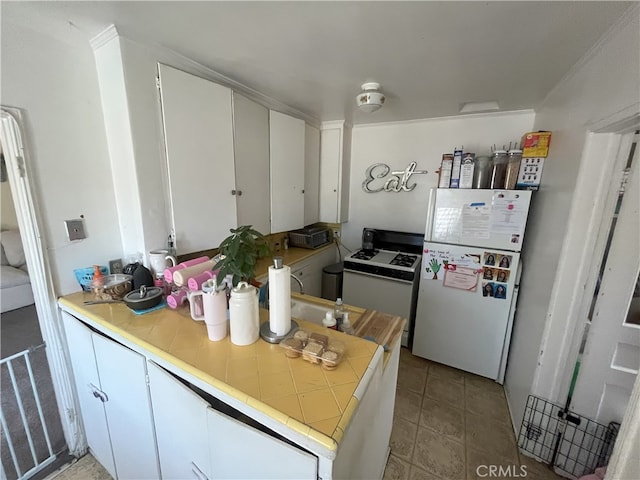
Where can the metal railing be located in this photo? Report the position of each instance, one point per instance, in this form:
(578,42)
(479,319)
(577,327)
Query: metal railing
(15,440)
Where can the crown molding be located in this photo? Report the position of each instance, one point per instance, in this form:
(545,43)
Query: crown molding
(104,37)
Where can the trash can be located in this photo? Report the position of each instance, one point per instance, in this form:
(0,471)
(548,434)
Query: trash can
(332,281)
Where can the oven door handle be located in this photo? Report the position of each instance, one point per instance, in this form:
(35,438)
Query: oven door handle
(384,277)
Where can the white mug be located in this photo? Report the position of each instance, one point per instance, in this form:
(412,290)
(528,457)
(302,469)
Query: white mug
(159,260)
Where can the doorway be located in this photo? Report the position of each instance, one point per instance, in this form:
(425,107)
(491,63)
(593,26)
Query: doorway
(609,357)
(60,396)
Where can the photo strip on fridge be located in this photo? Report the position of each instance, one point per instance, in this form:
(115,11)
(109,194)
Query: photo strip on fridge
(495,274)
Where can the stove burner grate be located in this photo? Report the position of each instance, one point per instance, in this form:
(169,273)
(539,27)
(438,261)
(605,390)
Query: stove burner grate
(364,254)
(403,260)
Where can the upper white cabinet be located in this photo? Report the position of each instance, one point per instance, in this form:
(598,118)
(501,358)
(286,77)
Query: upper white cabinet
(287,154)
(311,175)
(198,132)
(335,164)
(251,144)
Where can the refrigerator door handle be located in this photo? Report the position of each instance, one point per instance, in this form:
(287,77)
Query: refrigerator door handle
(430,214)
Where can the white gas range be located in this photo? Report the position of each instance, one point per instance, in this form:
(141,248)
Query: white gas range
(384,274)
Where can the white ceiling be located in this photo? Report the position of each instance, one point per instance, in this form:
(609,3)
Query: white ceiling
(430,57)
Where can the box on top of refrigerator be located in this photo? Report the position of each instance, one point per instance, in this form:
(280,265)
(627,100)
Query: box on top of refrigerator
(535,144)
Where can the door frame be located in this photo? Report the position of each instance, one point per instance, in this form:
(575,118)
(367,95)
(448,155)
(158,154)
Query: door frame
(604,155)
(18,162)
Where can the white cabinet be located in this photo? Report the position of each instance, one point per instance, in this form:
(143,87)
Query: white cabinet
(335,164)
(197,441)
(309,271)
(251,153)
(114,401)
(180,418)
(198,132)
(311,175)
(287,155)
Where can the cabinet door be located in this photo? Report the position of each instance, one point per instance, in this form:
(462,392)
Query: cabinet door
(311,175)
(240,451)
(251,146)
(198,132)
(331,142)
(287,172)
(128,408)
(180,417)
(85,373)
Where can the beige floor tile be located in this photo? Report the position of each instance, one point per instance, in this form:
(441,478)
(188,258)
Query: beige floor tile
(491,437)
(486,402)
(445,390)
(86,468)
(442,418)
(403,438)
(439,455)
(410,360)
(486,465)
(412,378)
(446,373)
(396,469)
(418,474)
(482,382)
(408,405)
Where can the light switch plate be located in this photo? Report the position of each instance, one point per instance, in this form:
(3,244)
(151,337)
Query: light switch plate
(75,229)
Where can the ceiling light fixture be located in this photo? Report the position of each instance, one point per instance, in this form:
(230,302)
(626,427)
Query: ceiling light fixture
(370,98)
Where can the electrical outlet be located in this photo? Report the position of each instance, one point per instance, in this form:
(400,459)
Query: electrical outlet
(75,229)
(115,266)
(336,234)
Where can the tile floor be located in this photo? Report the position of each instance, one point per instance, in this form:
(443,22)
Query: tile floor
(447,423)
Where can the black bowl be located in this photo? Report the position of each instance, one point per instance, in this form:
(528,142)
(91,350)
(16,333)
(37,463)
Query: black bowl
(143,298)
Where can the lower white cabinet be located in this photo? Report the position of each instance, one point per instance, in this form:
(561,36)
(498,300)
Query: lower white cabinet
(310,272)
(114,402)
(199,442)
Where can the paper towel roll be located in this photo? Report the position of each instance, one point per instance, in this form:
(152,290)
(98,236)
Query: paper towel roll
(181,277)
(280,300)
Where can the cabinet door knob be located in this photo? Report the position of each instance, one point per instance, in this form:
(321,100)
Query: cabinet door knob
(239,192)
(236,192)
(303,190)
(334,190)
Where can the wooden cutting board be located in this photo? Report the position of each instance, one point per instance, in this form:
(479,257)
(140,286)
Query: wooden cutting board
(383,328)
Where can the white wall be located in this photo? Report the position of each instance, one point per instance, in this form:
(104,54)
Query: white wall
(603,87)
(424,141)
(56,85)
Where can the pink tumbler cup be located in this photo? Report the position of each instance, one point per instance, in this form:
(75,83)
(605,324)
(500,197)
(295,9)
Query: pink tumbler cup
(168,272)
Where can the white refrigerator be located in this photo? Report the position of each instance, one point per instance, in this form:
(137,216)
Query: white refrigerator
(470,278)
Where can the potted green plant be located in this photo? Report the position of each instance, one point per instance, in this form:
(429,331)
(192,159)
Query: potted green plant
(241,251)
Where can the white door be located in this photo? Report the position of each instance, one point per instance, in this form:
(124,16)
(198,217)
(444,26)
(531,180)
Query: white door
(198,130)
(87,380)
(464,307)
(181,427)
(287,137)
(251,146)
(611,358)
(128,408)
(230,442)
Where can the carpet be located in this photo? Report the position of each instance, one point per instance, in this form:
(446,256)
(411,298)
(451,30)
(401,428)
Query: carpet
(19,330)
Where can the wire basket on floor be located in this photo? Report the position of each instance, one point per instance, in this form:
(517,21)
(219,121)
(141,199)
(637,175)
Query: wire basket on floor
(574,444)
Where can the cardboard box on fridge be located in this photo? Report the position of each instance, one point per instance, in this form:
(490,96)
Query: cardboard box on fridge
(535,144)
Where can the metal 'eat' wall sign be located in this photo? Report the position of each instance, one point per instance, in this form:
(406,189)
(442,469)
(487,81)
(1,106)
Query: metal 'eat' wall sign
(376,179)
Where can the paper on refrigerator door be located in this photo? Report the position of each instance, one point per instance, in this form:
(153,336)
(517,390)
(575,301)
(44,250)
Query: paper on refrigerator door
(476,220)
(461,278)
(508,213)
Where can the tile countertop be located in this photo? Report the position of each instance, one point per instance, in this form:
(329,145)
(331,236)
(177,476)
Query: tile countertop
(314,402)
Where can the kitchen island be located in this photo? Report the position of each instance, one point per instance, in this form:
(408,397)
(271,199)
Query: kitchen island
(201,409)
